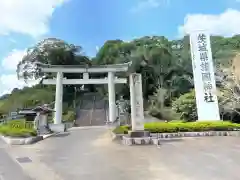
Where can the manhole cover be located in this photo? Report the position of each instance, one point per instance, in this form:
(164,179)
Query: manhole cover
(24,160)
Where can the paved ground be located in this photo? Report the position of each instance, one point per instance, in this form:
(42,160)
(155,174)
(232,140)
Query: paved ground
(9,169)
(89,154)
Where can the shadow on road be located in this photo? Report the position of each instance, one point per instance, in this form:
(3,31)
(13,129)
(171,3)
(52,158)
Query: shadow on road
(61,135)
(172,140)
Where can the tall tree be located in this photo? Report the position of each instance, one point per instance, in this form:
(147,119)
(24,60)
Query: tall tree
(53,52)
(49,51)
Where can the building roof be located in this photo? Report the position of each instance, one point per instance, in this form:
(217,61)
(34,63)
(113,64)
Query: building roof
(26,112)
(42,109)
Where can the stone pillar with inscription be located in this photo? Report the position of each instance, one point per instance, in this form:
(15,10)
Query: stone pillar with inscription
(137,114)
(204,76)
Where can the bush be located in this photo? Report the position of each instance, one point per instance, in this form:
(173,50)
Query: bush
(121,130)
(164,113)
(186,106)
(16,132)
(178,126)
(20,123)
(70,116)
(18,128)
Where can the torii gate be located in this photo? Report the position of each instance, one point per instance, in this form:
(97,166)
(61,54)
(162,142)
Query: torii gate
(137,115)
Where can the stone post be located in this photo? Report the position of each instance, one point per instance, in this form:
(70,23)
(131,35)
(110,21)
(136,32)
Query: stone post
(136,99)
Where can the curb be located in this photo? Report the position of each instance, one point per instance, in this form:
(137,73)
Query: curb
(21,141)
(140,141)
(156,138)
(25,141)
(196,134)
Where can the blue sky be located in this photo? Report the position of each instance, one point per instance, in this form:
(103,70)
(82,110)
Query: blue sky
(90,23)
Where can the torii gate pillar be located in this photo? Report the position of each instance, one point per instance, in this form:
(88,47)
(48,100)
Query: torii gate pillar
(58,99)
(111,97)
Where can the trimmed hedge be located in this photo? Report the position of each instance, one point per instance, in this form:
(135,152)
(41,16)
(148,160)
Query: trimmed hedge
(18,128)
(173,127)
(17,132)
(20,123)
(121,130)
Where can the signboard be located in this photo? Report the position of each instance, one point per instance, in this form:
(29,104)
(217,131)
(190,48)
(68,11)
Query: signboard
(137,115)
(204,78)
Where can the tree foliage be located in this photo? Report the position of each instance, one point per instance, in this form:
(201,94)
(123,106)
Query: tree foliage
(164,64)
(49,51)
(186,106)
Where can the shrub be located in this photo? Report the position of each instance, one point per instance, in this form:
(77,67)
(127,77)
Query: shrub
(186,106)
(178,126)
(18,128)
(70,116)
(20,123)
(157,106)
(121,130)
(16,132)
(164,113)
(161,127)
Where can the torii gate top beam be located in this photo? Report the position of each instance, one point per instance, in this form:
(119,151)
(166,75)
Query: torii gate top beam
(84,69)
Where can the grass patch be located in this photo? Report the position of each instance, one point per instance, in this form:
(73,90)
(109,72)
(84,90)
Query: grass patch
(18,128)
(121,130)
(178,126)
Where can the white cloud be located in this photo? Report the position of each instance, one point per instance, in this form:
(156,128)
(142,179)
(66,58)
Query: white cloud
(28,17)
(10,62)
(148,4)
(225,24)
(97,48)
(10,81)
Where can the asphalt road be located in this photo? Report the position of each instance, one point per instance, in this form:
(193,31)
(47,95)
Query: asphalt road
(10,169)
(89,154)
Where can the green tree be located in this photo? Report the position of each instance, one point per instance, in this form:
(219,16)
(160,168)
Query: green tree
(186,106)
(53,52)
(50,51)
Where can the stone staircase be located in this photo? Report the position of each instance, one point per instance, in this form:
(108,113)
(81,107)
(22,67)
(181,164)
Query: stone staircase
(92,110)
